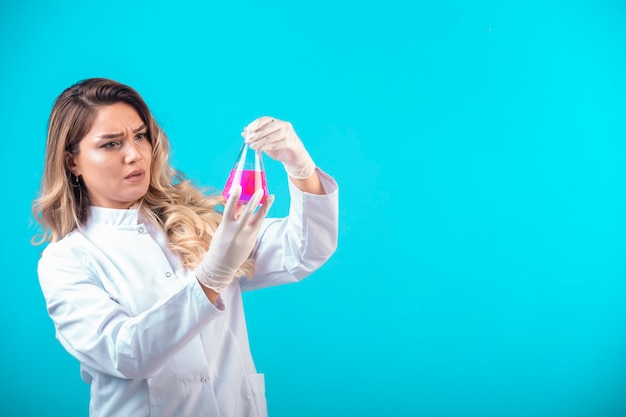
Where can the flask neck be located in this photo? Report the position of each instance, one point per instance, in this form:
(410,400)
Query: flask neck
(249,159)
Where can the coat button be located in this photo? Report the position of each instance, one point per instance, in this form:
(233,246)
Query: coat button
(203,379)
(168,274)
(141,229)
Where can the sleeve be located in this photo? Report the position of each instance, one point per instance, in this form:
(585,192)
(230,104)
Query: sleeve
(102,334)
(291,248)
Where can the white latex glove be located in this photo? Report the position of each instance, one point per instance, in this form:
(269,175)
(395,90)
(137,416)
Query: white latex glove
(279,141)
(233,241)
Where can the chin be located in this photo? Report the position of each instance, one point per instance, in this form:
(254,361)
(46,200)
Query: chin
(133,199)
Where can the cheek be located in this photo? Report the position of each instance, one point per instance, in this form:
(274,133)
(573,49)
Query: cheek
(82,164)
(96,163)
(96,166)
(147,154)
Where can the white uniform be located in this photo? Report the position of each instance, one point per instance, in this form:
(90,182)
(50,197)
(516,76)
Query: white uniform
(149,341)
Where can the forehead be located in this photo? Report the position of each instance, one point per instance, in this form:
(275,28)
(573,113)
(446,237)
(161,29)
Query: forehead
(116,117)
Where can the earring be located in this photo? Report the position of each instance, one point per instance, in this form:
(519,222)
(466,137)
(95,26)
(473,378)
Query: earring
(75,181)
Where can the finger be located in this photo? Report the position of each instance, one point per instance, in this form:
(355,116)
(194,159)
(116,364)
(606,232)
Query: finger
(251,206)
(264,128)
(260,215)
(258,134)
(231,203)
(268,142)
(259,123)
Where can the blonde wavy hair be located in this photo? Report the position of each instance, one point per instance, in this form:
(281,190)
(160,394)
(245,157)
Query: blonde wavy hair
(186,213)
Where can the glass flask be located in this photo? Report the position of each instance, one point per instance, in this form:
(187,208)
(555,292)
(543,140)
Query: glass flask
(248,172)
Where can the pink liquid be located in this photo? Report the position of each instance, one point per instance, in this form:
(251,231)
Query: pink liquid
(250,181)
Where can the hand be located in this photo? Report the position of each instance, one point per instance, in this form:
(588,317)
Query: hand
(233,241)
(279,141)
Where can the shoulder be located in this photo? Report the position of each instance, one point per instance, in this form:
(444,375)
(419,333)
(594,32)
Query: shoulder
(72,242)
(67,268)
(74,248)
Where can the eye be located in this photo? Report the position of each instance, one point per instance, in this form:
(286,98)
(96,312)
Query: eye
(110,145)
(142,135)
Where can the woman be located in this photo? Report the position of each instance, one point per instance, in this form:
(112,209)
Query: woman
(143,277)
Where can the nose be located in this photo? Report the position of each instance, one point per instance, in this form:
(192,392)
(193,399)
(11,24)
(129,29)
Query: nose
(133,153)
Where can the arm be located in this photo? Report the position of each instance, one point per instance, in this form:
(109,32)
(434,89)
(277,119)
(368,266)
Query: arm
(211,294)
(104,334)
(291,248)
(310,184)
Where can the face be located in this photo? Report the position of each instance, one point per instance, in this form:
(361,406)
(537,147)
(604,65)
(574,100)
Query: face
(114,158)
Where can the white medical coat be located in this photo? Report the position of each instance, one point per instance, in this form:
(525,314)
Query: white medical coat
(148,340)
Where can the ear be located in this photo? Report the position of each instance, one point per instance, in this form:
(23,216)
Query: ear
(71,164)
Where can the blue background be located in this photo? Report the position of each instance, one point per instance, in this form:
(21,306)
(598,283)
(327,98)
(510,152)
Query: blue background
(480,150)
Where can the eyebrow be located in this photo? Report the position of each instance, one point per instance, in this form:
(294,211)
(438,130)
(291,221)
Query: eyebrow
(117,135)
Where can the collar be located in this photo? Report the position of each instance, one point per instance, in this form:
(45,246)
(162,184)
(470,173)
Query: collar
(100,216)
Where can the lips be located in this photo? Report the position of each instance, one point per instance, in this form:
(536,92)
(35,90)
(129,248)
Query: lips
(136,175)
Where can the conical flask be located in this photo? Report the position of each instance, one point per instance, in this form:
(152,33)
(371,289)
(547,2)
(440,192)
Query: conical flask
(248,172)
